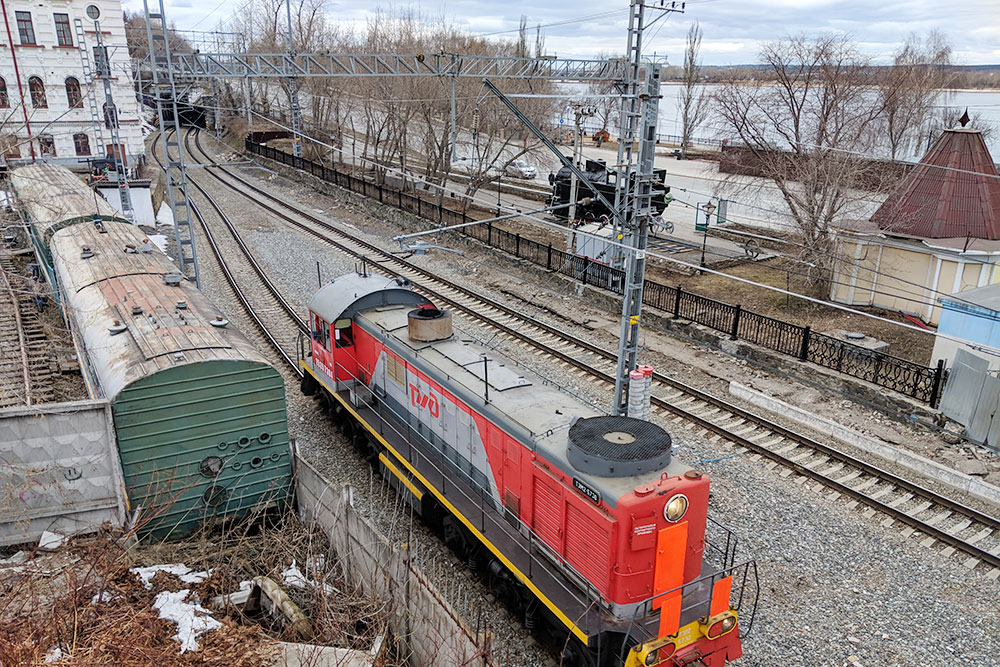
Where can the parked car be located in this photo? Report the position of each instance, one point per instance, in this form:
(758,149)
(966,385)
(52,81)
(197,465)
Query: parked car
(520,169)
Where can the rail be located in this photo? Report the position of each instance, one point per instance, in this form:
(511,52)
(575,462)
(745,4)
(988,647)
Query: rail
(919,382)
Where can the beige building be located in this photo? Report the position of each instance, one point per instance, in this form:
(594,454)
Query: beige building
(937,234)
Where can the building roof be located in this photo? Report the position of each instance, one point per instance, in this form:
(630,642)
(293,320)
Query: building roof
(109,284)
(986,297)
(947,203)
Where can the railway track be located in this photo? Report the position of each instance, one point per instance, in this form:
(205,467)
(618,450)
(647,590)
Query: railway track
(937,521)
(25,364)
(275,301)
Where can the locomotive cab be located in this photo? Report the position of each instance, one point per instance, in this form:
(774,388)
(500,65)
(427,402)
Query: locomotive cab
(332,351)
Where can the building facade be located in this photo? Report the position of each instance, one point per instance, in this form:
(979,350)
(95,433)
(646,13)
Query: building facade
(974,316)
(937,234)
(44,107)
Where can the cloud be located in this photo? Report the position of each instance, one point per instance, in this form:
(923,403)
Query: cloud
(733,31)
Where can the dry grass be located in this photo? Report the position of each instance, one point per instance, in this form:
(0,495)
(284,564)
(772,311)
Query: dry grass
(49,601)
(903,342)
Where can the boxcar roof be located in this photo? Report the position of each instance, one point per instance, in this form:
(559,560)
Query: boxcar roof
(106,287)
(54,196)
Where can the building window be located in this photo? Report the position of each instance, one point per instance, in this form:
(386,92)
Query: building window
(37,90)
(116,153)
(47,144)
(4,100)
(63,33)
(81,142)
(73,94)
(24,28)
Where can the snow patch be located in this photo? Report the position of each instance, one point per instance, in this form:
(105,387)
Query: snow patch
(54,655)
(103,596)
(165,216)
(293,577)
(179,570)
(191,619)
(160,241)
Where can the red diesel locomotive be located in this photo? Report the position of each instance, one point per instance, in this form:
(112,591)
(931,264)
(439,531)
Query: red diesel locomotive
(580,519)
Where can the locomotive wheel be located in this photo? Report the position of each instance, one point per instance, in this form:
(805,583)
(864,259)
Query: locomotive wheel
(308,385)
(575,654)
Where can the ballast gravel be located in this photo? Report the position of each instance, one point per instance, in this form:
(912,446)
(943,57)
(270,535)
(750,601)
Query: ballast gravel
(833,585)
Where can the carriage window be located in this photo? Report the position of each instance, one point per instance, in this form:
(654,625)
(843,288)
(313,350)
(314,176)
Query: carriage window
(344,333)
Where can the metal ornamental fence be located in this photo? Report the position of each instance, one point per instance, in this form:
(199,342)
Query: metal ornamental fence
(919,382)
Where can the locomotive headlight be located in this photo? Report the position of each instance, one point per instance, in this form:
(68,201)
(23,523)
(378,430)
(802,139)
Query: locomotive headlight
(676,508)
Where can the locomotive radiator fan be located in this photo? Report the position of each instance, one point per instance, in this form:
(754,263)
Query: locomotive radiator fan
(617,446)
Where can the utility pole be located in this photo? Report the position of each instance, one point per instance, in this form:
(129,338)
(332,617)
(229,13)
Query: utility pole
(173,168)
(454,128)
(293,89)
(580,112)
(103,71)
(640,106)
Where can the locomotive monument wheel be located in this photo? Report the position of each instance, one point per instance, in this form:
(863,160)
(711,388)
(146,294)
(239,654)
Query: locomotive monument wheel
(617,446)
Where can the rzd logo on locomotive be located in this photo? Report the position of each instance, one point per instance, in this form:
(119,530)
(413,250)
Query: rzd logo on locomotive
(422,400)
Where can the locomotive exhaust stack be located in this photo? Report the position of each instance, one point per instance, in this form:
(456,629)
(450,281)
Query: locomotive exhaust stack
(429,325)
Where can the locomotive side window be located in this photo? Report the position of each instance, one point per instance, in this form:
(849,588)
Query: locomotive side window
(343,333)
(321,332)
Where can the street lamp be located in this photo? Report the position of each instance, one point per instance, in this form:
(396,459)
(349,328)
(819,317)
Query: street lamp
(709,208)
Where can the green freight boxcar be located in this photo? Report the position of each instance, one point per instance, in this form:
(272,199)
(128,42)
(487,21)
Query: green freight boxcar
(199,412)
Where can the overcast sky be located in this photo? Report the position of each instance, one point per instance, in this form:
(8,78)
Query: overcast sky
(733,29)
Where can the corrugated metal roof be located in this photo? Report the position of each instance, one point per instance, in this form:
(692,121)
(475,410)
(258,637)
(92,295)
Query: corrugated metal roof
(107,286)
(53,195)
(947,203)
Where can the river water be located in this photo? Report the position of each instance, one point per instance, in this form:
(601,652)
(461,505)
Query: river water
(983,102)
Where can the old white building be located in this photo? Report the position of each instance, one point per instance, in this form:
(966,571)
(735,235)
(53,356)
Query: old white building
(44,111)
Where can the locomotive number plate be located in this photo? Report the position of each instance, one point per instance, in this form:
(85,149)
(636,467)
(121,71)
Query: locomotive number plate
(593,495)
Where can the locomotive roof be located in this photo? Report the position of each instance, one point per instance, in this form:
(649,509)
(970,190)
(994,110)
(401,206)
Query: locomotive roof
(523,403)
(346,295)
(53,197)
(107,286)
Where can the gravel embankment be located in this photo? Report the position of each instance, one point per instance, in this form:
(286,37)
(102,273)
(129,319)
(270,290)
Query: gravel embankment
(836,587)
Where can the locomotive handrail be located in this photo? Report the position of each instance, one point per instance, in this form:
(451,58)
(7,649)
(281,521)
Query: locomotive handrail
(742,570)
(541,547)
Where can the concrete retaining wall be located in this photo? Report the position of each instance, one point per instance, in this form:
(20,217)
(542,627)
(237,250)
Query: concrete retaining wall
(59,470)
(932,469)
(434,632)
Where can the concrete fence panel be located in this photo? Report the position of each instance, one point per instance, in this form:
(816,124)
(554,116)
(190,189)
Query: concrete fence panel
(59,470)
(433,631)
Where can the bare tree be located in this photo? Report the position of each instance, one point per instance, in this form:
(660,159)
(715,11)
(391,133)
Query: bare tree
(948,117)
(908,89)
(693,100)
(806,130)
(605,100)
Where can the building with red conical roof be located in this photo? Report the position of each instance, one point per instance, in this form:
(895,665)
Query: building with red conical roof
(936,234)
